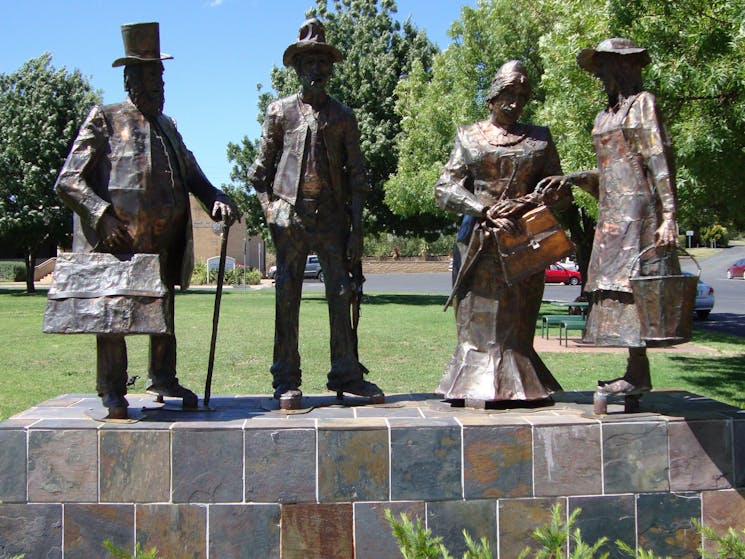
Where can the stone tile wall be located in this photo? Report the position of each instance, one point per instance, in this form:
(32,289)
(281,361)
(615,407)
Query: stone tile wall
(250,481)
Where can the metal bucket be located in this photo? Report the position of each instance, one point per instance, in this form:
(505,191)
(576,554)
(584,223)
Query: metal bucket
(665,305)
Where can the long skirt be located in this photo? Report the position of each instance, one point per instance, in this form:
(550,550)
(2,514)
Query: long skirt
(494,359)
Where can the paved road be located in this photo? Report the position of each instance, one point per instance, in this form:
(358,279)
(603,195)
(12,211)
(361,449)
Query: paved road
(728,315)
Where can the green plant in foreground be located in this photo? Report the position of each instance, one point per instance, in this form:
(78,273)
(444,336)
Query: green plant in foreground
(417,542)
(119,553)
(729,546)
(553,538)
(638,554)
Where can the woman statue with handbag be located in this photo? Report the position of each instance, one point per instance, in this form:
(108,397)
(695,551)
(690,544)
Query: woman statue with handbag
(635,186)
(490,179)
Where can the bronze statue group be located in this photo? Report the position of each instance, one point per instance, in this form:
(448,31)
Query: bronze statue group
(128,176)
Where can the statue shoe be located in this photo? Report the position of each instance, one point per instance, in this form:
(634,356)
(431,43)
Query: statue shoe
(289,395)
(116,404)
(118,412)
(189,400)
(359,387)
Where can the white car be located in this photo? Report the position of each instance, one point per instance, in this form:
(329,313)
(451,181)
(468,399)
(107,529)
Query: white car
(704,299)
(312,269)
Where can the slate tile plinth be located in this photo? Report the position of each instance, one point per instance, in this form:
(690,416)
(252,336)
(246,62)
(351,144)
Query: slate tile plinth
(664,523)
(723,510)
(34,531)
(244,531)
(207,465)
(87,526)
(610,516)
(372,532)
(497,461)
(249,480)
(317,531)
(175,530)
(700,455)
(567,460)
(448,519)
(280,465)
(13,465)
(635,457)
(135,466)
(353,465)
(425,463)
(63,466)
(517,520)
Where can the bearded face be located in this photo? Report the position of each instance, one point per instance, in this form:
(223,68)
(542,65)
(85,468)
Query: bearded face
(144,84)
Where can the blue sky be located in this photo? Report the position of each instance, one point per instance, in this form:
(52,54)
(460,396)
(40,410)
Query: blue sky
(222,49)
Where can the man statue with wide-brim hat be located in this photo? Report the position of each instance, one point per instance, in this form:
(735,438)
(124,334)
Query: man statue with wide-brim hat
(128,178)
(635,186)
(311,183)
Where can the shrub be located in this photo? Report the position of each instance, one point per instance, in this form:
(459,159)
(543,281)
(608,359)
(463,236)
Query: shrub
(715,234)
(232,277)
(13,271)
(119,553)
(383,245)
(416,542)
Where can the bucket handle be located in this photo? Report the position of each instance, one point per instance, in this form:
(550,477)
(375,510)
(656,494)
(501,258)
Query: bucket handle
(650,247)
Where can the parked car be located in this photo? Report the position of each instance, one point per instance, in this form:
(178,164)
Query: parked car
(556,273)
(704,299)
(737,270)
(312,269)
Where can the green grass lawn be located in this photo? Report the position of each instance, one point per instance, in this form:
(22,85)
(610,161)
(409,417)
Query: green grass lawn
(405,341)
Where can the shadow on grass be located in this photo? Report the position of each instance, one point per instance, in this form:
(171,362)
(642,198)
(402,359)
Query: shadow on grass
(717,376)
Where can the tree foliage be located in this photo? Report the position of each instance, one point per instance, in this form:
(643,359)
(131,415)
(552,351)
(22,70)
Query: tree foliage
(41,109)
(378,50)
(696,46)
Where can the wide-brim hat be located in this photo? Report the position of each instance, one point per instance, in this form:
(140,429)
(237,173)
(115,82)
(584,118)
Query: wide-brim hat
(141,44)
(311,38)
(588,58)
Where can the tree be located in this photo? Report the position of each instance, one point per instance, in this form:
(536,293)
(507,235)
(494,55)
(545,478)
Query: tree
(696,46)
(41,109)
(378,50)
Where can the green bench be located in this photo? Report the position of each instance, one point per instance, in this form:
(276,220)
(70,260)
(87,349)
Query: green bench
(571,323)
(551,320)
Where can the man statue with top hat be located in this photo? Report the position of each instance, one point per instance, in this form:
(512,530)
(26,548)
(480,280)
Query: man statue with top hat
(127,178)
(310,180)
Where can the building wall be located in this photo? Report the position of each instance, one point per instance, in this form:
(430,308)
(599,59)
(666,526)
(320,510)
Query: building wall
(246,250)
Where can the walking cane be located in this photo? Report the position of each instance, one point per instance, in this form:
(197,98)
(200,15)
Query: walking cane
(216,313)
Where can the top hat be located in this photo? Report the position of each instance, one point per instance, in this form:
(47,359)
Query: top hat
(311,38)
(588,58)
(141,44)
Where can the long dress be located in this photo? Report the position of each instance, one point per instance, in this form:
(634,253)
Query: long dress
(635,193)
(494,357)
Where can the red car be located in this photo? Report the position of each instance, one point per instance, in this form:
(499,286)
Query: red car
(737,270)
(556,273)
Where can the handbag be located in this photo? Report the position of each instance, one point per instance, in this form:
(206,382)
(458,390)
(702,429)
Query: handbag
(100,293)
(538,242)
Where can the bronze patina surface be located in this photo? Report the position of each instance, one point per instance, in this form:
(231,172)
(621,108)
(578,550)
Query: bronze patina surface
(128,178)
(491,179)
(310,180)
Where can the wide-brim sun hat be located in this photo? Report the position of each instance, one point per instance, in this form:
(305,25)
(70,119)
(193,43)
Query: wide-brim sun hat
(588,58)
(141,44)
(311,38)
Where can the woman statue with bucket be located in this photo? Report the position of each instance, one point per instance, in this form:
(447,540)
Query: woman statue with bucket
(636,234)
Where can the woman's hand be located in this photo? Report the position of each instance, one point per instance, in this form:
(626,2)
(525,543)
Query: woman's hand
(666,234)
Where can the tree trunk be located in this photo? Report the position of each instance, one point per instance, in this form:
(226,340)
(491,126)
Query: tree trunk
(30,288)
